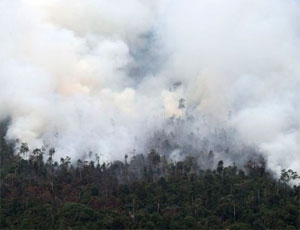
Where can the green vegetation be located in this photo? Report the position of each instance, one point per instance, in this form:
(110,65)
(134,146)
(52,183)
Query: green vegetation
(147,192)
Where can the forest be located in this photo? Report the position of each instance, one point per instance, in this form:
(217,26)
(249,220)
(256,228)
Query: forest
(149,114)
(145,192)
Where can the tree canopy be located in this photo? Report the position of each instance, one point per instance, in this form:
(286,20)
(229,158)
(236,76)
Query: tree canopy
(144,192)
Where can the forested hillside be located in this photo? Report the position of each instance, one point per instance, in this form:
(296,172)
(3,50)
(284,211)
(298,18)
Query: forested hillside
(146,192)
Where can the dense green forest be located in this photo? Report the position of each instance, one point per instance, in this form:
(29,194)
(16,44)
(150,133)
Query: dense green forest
(146,192)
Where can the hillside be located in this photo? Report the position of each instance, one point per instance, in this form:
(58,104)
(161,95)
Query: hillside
(146,192)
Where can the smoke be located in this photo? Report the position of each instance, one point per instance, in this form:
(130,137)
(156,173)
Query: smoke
(184,77)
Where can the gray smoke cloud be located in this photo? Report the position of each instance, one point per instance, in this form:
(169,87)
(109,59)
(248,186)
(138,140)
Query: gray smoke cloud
(181,76)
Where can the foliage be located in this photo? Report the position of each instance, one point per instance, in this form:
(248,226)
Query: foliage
(147,192)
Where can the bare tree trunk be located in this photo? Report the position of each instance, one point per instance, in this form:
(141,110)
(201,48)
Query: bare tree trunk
(234,211)
(133,203)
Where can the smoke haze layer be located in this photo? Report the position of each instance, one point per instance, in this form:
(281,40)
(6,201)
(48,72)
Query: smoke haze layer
(180,76)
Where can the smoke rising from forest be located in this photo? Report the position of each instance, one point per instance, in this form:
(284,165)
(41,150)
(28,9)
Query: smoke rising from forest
(183,77)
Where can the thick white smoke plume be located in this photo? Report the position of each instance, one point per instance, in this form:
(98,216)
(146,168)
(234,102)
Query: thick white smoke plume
(107,75)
